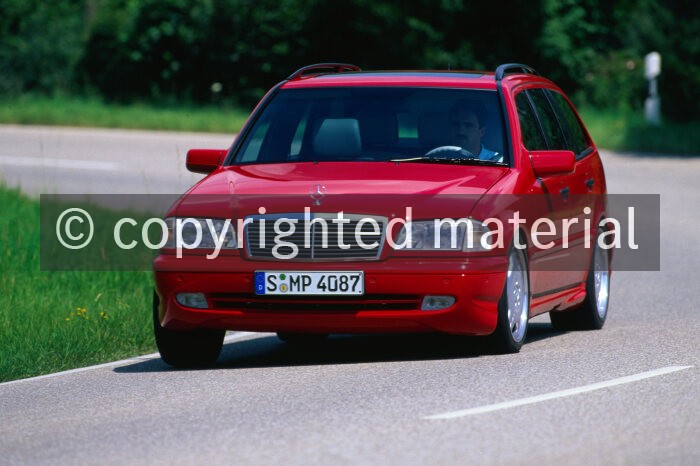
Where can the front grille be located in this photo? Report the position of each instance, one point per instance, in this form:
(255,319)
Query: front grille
(280,250)
(316,304)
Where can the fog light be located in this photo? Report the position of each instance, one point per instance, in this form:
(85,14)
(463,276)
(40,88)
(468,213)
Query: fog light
(436,303)
(196,300)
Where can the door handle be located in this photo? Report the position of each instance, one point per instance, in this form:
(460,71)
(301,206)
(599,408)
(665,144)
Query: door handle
(564,192)
(589,183)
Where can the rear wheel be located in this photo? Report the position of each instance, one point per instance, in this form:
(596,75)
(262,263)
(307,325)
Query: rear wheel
(591,314)
(186,348)
(514,305)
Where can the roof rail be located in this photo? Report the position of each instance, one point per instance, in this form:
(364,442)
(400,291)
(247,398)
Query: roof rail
(333,67)
(503,69)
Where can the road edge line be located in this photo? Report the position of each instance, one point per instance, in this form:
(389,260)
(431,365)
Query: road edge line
(144,357)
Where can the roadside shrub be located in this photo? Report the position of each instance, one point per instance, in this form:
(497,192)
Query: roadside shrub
(40,44)
(150,48)
(614,81)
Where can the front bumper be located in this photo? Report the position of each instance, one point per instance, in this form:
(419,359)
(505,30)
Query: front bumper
(394,290)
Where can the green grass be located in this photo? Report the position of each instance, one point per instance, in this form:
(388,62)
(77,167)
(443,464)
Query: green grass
(79,111)
(52,321)
(627,131)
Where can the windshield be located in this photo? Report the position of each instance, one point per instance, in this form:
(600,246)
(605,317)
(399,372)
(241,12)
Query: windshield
(377,124)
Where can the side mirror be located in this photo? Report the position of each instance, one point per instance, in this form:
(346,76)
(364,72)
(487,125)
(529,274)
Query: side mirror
(204,160)
(552,162)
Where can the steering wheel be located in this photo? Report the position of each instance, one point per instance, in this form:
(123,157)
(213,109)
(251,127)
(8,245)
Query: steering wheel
(449,151)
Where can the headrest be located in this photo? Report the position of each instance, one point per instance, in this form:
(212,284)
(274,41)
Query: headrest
(338,137)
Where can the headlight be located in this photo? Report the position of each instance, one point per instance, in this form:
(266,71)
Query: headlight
(464,234)
(200,233)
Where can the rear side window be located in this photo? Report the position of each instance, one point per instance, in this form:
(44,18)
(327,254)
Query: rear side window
(532,136)
(552,131)
(578,141)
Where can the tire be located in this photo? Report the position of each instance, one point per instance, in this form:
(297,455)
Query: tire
(186,348)
(302,339)
(514,305)
(591,314)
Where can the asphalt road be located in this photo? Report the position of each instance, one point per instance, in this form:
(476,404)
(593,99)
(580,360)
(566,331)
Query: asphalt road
(48,160)
(628,394)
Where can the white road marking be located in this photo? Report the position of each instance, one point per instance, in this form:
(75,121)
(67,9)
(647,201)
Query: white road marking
(145,357)
(558,394)
(57,163)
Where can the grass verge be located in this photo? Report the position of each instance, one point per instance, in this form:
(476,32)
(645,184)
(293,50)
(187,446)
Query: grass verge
(627,131)
(80,111)
(52,321)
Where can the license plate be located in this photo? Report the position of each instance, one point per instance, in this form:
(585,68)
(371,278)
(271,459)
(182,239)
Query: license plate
(310,283)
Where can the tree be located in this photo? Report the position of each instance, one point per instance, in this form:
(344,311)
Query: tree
(40,43)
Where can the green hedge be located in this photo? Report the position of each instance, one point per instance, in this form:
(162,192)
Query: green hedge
(212,51)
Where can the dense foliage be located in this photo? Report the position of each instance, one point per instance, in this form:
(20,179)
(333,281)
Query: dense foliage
(232,50)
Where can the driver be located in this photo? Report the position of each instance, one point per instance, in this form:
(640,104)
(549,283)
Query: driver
(467,122)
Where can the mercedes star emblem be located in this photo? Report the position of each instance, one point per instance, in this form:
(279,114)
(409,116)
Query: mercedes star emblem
(317,193)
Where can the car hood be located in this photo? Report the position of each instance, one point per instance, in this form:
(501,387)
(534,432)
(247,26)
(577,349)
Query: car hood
(351,178)
(358,186)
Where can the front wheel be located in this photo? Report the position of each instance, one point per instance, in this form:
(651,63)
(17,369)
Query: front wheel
(514,305)
(186,348)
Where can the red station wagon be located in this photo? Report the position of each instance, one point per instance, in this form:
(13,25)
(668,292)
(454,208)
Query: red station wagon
(381,202)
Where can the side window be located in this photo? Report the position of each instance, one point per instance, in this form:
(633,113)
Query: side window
(552,131)
(278,135)
(532,136)
(298,138)
(578,141)
(252,148)
(408,127)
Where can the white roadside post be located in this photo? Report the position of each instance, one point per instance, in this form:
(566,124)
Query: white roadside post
(652,104)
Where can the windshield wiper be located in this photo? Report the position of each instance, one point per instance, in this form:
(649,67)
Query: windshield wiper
(448,160)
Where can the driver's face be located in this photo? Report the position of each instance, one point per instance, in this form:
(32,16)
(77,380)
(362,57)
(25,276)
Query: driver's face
(466,132)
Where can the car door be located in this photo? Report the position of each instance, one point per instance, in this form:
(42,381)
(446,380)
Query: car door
(551,268)
(587,180)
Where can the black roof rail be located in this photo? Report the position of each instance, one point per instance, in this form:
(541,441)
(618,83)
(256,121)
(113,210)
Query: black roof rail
(513,68)
(333,67)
